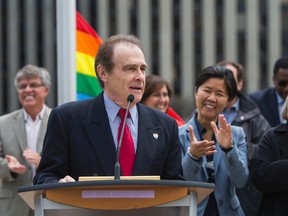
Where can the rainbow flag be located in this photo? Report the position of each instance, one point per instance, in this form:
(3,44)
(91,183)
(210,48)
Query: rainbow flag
(87,45)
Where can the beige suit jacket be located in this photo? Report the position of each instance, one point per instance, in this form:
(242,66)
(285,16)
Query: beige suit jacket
(13,141)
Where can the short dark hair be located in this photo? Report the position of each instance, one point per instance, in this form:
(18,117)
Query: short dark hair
(280,63)
(220,72)
(106,51)
(238,66)
(154,83)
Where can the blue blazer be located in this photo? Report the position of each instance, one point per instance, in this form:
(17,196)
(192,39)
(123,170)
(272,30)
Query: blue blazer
(79,142)
(231,169)
(267,102)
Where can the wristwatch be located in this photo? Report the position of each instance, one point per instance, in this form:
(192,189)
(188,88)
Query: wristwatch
(227,149)
(190,155)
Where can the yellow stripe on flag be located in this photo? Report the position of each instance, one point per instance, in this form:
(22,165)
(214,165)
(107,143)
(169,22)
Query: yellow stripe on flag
(85,64)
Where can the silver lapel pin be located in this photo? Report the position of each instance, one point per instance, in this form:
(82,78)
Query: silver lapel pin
(155,135)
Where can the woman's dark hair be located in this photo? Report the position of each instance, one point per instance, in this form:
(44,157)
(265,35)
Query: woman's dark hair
(220,72)
(155,83)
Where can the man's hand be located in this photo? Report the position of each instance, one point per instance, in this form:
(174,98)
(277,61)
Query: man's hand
(14,165)
(32,157)
(67,178)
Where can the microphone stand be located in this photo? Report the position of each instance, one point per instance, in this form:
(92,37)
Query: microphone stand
(117,168)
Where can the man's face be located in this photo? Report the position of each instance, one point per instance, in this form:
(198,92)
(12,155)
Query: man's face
(32,93)
(281,82)
(235,74)
(127,76)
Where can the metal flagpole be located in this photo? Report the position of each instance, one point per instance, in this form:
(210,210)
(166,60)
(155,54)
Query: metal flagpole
(66,50)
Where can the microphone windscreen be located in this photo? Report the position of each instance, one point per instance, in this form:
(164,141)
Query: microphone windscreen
(130,98)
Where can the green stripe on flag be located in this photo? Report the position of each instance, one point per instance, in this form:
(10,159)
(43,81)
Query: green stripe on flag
(88,85)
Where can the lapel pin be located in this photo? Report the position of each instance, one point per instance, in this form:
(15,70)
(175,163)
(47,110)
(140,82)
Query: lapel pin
(155,135)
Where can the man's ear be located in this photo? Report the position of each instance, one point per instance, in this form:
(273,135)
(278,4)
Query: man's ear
(101,73)
(240,85)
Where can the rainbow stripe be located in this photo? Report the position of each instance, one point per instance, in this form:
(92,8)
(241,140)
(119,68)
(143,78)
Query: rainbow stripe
(87,45)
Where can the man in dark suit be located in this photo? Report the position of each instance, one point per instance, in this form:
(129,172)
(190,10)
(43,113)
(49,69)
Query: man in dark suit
(269,169)
(81,138)
(271,100)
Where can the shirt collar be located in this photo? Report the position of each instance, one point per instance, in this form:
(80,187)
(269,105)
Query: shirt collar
(279,99)
(112,109)
(38,117)
(235,107)
(200,128)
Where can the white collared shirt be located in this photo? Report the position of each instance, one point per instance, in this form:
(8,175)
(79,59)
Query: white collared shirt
(32,128)
(280,103)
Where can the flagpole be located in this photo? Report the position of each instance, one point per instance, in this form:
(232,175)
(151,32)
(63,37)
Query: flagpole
(66,50)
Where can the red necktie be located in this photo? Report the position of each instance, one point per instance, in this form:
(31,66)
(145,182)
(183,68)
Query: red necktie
(127,153)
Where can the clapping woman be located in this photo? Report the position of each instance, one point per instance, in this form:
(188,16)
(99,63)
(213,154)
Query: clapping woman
(212,150)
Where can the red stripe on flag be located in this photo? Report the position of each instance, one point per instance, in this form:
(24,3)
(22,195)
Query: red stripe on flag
(83,25)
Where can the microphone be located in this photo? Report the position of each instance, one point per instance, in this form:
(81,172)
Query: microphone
(130,99)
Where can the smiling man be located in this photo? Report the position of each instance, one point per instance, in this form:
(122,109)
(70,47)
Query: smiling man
(271,100)
(82,136)
(21,138)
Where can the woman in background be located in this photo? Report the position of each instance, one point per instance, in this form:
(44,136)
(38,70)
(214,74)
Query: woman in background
(157,95)
(212,150)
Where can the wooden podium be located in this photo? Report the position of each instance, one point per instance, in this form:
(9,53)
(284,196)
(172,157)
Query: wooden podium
(116,197)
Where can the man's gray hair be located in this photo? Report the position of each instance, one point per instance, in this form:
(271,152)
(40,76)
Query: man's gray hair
(31,71)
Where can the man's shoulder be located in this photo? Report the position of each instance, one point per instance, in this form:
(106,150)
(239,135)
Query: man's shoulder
(247,104)
(145,109)
(10,116)
(75,105)
(154,113)
(262,93)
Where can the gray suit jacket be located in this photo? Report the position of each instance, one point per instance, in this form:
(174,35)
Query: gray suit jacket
(13,141)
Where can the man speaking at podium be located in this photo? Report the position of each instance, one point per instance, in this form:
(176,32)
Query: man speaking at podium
(82,137)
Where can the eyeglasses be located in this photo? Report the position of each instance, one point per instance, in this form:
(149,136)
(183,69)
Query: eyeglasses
(282,83)
(31,85)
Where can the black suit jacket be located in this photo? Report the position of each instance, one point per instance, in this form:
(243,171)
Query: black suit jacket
(79,142)
(268,105)
(269,170)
